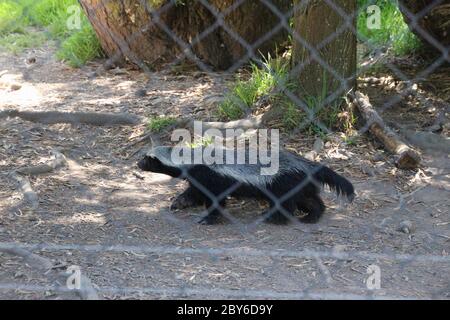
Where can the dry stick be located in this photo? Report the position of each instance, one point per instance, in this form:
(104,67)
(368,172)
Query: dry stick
(407,158)
(92,118)
(30,197)
(245,124)
(54,164)
(25,187)
(249,123)
(44,265)
(86,290)
(253,122)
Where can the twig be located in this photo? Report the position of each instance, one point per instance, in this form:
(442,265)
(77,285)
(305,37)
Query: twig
(91,118)
(25,187)
(44,265)
(58,162)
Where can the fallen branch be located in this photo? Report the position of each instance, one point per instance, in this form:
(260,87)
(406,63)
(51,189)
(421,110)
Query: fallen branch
(33,260)
(244,124)
(58,162)
(407,158)
(249,123)
(91,118)
(29,195)
(44,265)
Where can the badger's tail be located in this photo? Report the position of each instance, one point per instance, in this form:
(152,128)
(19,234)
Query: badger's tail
(336,182)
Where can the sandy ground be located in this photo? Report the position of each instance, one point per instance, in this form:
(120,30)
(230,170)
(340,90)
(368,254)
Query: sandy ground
(101,214)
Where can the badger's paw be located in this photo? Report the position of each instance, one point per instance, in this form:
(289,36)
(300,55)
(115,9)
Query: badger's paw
(275,218)
(209,220)
(182,202)
(309,218)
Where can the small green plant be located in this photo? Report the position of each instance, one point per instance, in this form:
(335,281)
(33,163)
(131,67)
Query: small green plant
(244,93)
(231,109)
(332,115)
(11,17)
(80,47)
(394,32)
(158,124)
(292,116)
(202,142)
(18,17)
(17,42)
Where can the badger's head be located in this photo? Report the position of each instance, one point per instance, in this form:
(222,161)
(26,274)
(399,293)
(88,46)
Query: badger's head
(159,160)
(149,163)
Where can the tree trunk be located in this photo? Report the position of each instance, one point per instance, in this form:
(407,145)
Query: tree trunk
(315,22)
(156,32)
(433,21)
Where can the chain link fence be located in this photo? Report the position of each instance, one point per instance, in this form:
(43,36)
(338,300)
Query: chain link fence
(388,243)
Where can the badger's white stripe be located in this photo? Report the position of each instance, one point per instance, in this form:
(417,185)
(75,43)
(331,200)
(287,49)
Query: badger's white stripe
(245,173)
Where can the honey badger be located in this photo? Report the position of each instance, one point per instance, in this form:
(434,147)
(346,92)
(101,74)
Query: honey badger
(296,185)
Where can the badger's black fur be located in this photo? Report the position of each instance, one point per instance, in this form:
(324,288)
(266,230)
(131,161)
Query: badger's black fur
(295,186)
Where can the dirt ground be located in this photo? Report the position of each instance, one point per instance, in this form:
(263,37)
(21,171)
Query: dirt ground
(100,213)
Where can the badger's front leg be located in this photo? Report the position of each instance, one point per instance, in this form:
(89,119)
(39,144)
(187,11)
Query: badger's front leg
(214,212)
(188,199)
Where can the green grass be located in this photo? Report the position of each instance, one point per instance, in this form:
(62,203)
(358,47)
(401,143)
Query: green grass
(158,124)
(292,116)
(201,142)
(244,93)
(334,116)
(78,45)
(17,42)
(394,32)
(11,17)
(273,74)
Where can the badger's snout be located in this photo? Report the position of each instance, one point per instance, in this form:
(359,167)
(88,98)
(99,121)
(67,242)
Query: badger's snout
(142,164)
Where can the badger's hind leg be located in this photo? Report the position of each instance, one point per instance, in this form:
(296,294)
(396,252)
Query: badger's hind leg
(313,206)
(214,212)
(188,199)
(280,216)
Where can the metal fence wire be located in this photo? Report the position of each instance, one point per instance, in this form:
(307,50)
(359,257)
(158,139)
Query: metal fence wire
(388,243)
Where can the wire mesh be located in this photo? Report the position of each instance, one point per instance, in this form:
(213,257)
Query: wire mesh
(243,258)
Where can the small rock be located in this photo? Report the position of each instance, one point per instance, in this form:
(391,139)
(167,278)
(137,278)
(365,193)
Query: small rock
(407,227)
(138,175)
(141,93)
(118,71)
(318,145)
(15,87)
(49,293)
(311,156)
(379,156)
(368,170)
(31,60)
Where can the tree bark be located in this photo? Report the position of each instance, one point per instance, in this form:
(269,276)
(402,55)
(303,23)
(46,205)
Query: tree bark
(315,22)
(433,23)
(156,32)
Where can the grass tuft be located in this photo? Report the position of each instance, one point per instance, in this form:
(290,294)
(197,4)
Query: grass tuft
(11,17)
(158,124)
(78,45)
(17,42)
(393,32)
(244,93)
